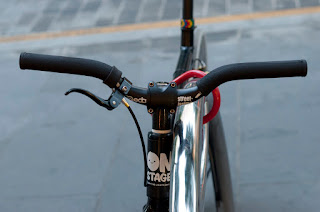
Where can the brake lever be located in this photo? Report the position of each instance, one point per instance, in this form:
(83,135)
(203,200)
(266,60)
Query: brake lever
(114,100)
(96,99)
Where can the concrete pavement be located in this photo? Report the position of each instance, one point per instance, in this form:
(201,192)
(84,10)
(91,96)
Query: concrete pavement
(62,153)
(33,16)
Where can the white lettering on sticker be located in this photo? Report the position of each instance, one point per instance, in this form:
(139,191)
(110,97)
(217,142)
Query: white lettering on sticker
(155,163)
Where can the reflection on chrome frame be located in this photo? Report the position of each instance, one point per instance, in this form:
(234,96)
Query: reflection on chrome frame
(189,159)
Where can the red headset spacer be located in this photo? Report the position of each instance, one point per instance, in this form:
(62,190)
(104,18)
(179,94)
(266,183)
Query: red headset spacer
(215,93)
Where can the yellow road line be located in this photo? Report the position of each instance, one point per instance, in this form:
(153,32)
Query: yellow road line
(157,25)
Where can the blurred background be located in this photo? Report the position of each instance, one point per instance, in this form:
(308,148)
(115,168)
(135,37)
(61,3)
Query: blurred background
(62,153)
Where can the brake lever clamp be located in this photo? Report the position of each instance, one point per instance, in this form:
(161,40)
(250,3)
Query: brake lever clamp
(113,101)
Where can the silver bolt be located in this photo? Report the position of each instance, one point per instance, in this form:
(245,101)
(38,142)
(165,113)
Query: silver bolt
(172,111)
(151,84)
(150,110)
(114,102)
(173,84)
(124,88)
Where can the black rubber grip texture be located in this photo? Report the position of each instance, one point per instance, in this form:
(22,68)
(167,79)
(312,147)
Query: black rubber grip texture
(70,65)
(251,71)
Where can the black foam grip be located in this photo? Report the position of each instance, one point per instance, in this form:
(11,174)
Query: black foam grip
(70,65)
(251,71)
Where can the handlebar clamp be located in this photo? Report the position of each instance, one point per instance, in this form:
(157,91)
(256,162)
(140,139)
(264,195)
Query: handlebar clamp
(162,94)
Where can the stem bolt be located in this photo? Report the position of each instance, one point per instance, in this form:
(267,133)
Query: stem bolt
(150,110)
(151,84)
(124,88)
(114,102)
(172,111)
(173,84)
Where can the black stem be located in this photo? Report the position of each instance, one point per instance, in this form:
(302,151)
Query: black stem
(160,119)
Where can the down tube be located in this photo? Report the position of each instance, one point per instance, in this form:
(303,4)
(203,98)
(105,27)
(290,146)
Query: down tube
(189,159)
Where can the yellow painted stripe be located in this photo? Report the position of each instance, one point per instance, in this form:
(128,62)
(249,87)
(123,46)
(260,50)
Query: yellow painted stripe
(158,25)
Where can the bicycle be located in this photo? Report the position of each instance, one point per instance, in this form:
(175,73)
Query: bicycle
(176,157)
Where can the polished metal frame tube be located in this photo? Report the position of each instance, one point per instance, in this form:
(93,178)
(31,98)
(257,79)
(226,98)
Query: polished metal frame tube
(189,158)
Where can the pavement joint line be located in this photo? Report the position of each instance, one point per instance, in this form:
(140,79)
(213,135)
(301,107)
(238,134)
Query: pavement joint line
(228,6)
(140,11)
(119,12)
(162,7)
(250,5)
(205,8)
(157,25)
(274,4)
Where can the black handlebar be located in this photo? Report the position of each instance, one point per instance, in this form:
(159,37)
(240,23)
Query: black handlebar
(111,75)
(251,71)
(69,65)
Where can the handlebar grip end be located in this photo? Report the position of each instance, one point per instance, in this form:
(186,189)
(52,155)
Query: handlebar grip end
(21,60)
(304,70)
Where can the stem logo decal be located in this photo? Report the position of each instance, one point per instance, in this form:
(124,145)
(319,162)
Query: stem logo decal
(182,100)
(138,100)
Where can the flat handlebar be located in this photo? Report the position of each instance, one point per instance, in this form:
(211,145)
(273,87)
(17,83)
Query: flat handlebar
(112,76)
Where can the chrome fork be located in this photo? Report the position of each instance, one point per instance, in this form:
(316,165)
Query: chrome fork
(189,159)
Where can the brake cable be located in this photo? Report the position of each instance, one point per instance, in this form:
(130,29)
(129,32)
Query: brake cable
(141,139)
